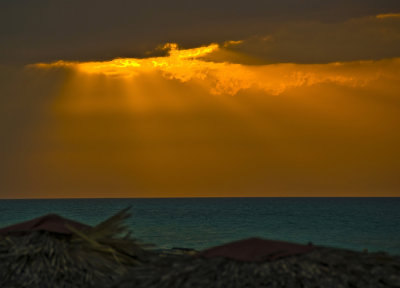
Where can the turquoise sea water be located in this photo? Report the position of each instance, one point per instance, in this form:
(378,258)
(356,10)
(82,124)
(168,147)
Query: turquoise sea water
(355,223)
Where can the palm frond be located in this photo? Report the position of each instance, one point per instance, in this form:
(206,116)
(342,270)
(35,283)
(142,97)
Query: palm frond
(112,238)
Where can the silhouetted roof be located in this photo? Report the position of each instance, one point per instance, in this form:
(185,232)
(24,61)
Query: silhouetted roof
(43,252)
(51,223)
(256,249)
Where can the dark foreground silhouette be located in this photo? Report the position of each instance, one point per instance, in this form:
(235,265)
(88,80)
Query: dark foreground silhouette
(52,251)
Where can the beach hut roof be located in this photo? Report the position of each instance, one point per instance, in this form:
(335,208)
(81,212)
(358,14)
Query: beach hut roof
(50,223)
(256,249)
(52,251)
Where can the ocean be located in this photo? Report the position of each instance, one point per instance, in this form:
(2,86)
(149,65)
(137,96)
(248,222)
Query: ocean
(199,223)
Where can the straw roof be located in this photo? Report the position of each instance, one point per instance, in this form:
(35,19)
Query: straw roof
(256,250)
(50,223)
(321,267)
(52,251)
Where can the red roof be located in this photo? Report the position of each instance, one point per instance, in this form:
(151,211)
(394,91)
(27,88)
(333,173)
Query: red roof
(51,222)
(256,249)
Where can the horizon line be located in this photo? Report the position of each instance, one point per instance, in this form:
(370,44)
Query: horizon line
(198,197)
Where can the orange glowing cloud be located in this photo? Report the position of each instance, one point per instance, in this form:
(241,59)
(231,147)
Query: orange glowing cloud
(197,123)
(388,15)
(220,77)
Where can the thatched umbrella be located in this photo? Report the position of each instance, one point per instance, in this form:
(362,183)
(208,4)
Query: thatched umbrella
(55,252)
(264,263)
(52,251)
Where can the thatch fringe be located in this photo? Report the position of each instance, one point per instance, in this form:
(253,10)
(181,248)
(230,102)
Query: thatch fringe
(112,238)
(92,258)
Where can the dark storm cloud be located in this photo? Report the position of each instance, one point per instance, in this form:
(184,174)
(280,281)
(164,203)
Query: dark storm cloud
(365,38)
(48,30)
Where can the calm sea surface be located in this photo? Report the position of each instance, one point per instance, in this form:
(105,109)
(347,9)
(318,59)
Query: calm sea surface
(356,223)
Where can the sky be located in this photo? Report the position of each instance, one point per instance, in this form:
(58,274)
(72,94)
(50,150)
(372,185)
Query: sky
(208,99)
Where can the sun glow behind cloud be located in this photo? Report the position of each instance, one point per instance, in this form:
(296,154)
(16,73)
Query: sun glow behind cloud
(388,15)
(222,77)
(305,101)
(185,125)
